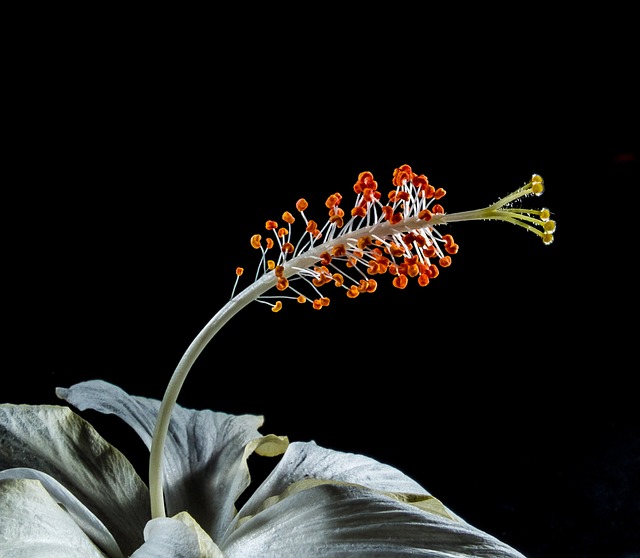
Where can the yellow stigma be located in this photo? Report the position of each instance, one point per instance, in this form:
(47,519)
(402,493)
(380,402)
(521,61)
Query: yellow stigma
(537,221)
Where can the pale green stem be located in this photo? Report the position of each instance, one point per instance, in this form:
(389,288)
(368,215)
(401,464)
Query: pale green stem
(161,430)
(177,379)
(252,293)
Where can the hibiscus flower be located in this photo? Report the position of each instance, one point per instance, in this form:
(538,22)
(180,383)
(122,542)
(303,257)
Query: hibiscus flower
(65,492)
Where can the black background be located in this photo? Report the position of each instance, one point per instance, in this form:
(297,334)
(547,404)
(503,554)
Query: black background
(145,155)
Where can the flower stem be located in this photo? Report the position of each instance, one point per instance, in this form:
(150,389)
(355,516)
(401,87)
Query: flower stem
(170,397)
(387,227)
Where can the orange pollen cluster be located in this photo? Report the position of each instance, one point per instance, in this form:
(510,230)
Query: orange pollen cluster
(416,252)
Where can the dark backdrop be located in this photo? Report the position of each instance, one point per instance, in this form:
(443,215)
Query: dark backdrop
(141,169)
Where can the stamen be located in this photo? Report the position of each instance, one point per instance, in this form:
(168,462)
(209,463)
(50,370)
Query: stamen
(399,238)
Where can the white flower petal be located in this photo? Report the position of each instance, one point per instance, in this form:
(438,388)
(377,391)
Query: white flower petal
(337,520)
(33,525)
(308,460)
(208,549)
(56,441)
(87,521)
(204,460)
(179,537)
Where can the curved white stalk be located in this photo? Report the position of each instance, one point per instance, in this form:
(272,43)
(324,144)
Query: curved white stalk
(177,379)
(347,244)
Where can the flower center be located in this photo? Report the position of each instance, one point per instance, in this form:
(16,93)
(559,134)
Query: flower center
(398,238)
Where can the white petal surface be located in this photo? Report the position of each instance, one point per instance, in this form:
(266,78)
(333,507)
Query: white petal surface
(179,537)
(81,515)
(33,525)
(56,441)
(332,520)
(204,460)
(308,460)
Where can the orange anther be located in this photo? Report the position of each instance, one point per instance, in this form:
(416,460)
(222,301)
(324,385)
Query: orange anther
(445,261)
(408,238)
(365,180)
(301,299)
(400,281)
(433,271)
(401,174)
(372,285)
(283,232)
(287,217)
(420,241)
(338,279)
(448,239)
(269,242)
(396,250)
(312,227)
(335,215)
(339,251)
(439,193)
(359,211)
(387,212)
(425,214)
(369,194)
(449,245)
(333,199)
(239,271)
(325,300)
(421,182)
(429,251)
(277,307)
(271,225)
(301,205)
(323,276)
(413,270)
(271,265)
(364,241)
(288,248)
(437,208)
(317,304)
(396,218)
(423,280)
(279,271)
(325,258)
(428,191)
(353,291)
(255,241)
(282,283)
